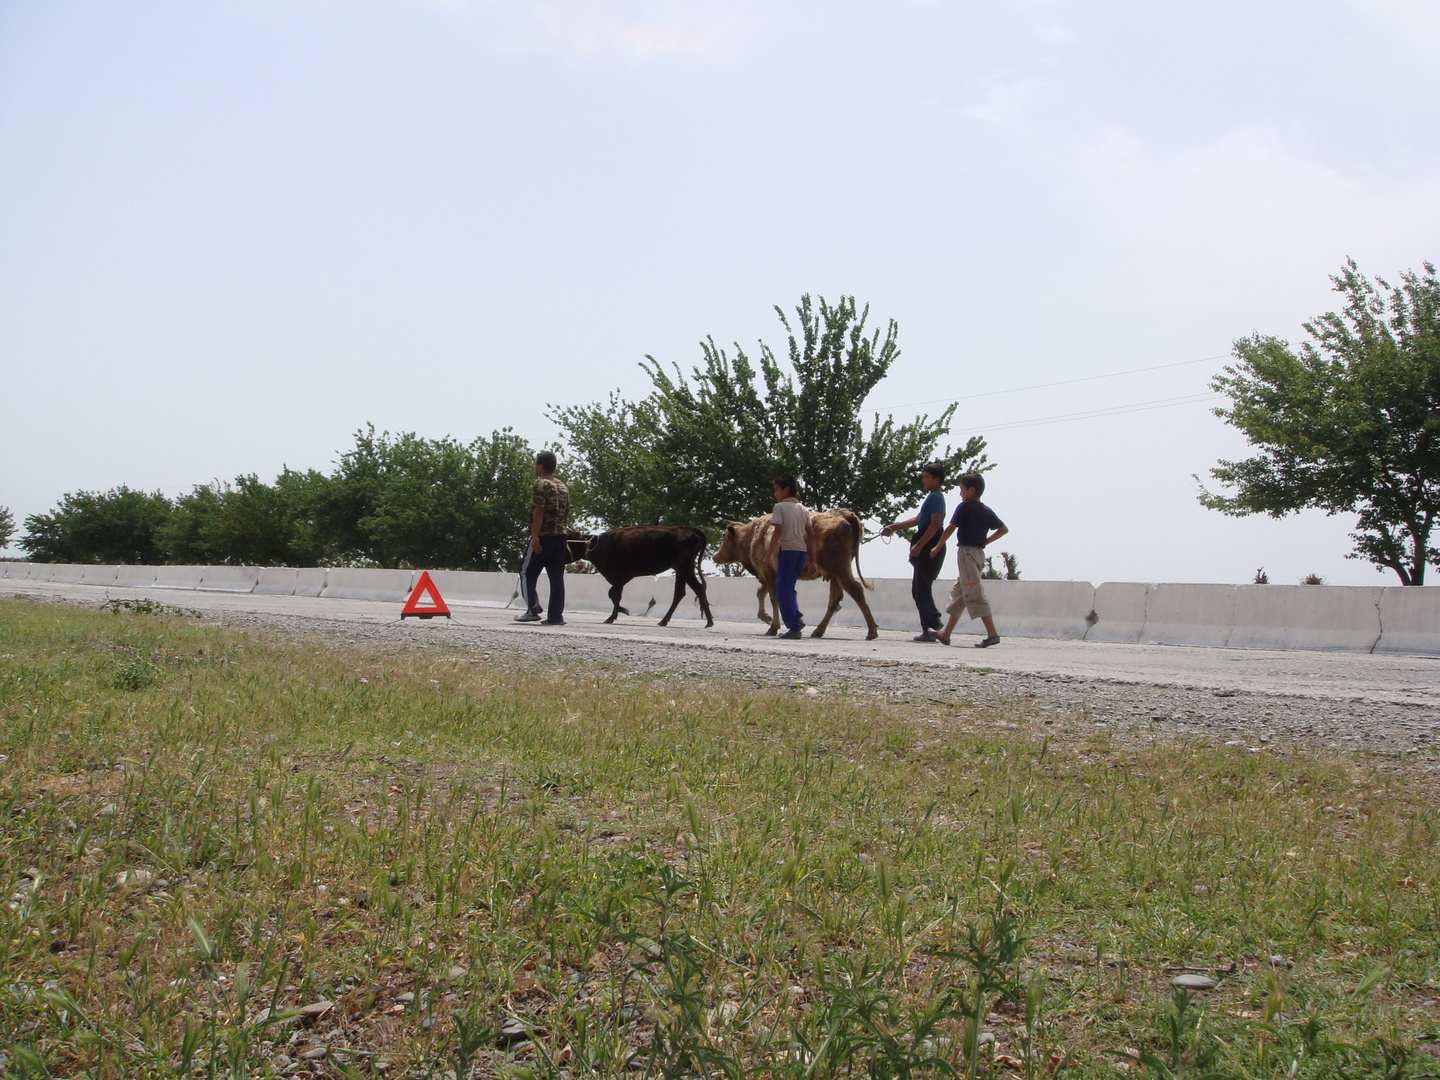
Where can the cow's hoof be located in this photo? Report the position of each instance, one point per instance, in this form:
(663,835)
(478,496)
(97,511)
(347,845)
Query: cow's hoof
(817,632)
(873,634)
(664,622)
(609,620)
(770,633)
(709,623)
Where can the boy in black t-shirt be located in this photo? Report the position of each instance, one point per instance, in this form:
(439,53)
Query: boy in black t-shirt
(974,520)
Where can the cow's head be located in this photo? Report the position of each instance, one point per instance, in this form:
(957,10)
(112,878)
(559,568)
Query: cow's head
(732,545)
(577,547)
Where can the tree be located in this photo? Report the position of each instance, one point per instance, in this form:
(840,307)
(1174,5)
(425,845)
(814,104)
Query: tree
(706,448)
(412,501)
(116,526)
(610,466)
(7,525)
(1348,424)
(248,522)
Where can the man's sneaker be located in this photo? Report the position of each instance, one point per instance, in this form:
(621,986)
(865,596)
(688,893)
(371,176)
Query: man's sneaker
(561,622)
(793,634)
(993,639)
(925,635)
(529,616)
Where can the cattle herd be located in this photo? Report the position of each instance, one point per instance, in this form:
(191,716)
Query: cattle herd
(621,555)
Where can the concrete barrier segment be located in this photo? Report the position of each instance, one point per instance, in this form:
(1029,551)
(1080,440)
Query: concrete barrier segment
(474,588)
(277,580)
(61,573)
(14,571)
(1410,620)
(310,580)
(1119,612)
(1043,609)
(1188,615)
(178,577)
(231,579)
(135,577)
(1341,617)
(363,583)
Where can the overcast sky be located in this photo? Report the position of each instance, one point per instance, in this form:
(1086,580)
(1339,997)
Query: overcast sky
(233,233)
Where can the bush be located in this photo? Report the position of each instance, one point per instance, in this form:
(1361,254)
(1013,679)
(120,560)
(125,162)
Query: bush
(116,526)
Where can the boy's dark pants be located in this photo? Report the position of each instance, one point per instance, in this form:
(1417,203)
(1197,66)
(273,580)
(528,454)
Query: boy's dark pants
(551,559)
(921,588)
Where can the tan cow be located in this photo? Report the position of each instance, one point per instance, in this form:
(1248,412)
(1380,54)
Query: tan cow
(837,539)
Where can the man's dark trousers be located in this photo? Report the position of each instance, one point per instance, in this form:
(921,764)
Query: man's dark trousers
(922,591)
(551,559)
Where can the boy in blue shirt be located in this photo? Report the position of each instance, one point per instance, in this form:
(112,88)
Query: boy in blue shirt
(927,566)
(974,520)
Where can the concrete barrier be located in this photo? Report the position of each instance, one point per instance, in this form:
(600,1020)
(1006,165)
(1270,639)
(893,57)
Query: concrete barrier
(99,575)
(348,583)
(1410,620)
(61,573)
(1188,615)
(1306,617)
(474,588)
(1047,609)
(135,577)
(231,579)
(14,571)
(278,580)
(1120,612)
(178,577)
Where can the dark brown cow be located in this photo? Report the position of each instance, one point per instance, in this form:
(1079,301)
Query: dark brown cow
(623,554)
(838,537)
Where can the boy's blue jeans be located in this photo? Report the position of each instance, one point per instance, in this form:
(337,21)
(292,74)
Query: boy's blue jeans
(786,574)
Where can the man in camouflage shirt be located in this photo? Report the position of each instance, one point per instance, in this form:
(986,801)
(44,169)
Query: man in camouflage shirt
(549,516)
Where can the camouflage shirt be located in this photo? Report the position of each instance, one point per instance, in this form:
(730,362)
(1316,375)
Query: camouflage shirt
(553,498)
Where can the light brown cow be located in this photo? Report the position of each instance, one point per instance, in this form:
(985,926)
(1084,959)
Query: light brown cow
(837,539)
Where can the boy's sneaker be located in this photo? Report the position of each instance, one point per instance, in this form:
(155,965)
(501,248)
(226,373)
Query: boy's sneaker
(993,639)
(926,635)
(561,622)
(793,634)
(529,616)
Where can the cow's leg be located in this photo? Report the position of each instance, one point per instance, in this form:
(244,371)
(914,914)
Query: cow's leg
(774,609)
(679,593)
(872,629)
(696,582)
(616,591)
(830,609)
(761,614)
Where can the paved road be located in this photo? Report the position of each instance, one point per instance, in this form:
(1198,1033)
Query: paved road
(1330,677)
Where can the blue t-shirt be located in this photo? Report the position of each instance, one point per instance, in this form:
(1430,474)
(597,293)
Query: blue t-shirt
(973,522)
(934,504)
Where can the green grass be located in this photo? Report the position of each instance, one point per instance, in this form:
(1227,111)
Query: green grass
(205,830)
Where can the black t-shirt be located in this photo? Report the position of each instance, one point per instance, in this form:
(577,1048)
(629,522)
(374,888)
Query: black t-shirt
(973,522)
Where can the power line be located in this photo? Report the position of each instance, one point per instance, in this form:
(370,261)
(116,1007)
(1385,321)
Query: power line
(1062,382)
(1116,410)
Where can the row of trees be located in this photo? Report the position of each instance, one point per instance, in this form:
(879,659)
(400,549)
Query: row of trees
(696,450)
(390,501)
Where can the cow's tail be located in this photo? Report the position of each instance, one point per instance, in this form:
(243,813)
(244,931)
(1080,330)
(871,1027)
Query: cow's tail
(857,533)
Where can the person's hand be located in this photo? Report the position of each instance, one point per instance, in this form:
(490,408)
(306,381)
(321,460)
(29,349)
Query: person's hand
(535,544)
(936,550)
(887,530)
(915,550)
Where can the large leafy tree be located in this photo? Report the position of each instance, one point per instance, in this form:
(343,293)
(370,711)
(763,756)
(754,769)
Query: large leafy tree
(117,526)
(1349,422)
(407,500)
(249,522)
(705,448)
(7,525)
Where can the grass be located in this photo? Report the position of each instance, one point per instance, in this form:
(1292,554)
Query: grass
(465,867)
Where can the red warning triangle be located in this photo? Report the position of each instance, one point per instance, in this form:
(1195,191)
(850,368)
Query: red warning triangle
(428,611)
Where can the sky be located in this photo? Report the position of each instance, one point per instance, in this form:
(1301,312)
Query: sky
(233,233)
